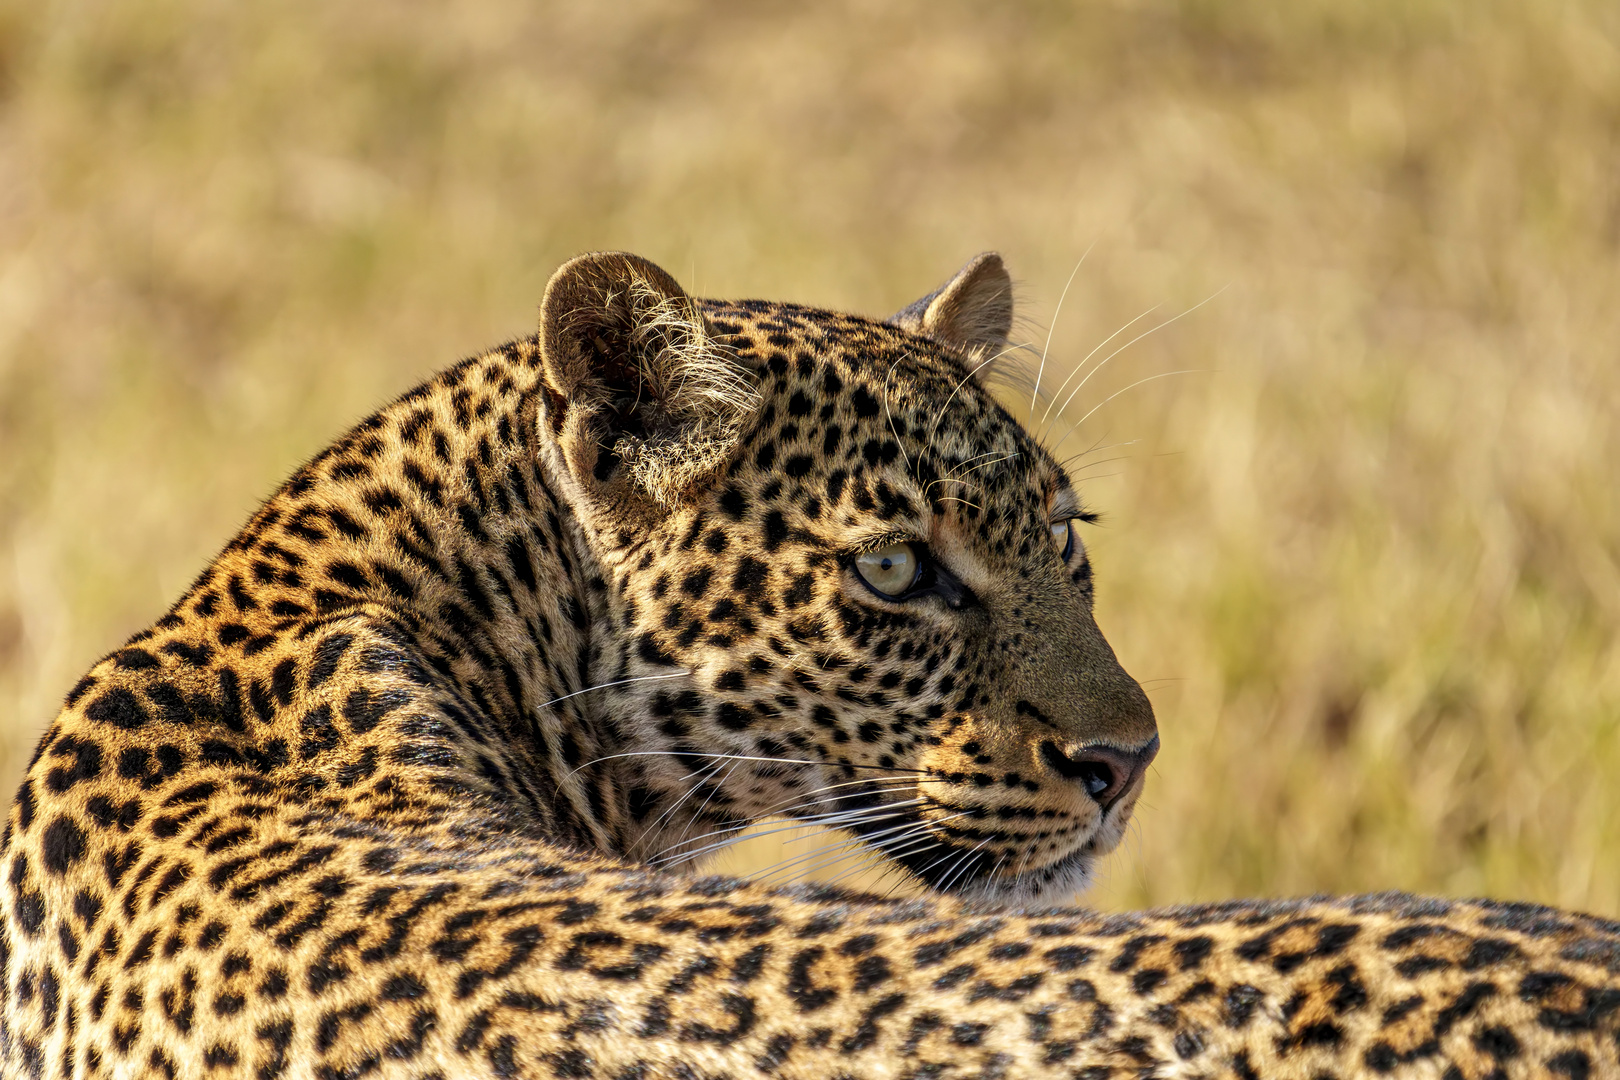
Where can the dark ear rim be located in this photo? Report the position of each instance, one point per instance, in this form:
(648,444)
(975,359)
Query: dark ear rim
(972,311)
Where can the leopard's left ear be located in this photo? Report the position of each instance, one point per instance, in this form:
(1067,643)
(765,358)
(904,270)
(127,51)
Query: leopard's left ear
(973,311)
(640,400)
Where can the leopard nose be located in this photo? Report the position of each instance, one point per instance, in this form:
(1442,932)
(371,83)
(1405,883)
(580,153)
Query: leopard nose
(1105,772)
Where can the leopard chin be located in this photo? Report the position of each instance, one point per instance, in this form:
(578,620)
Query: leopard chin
(1059,882)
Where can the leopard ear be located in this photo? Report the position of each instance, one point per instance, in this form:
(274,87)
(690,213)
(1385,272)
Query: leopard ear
(639,397)
(973,311)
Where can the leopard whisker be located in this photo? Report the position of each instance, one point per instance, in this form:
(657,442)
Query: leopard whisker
(604,686)
(1052,329)
(863,864)
(698,813)
(809,799)
(831,820)
(889,416)
(844,843)
(1098,366)
(919,838)
(703,778)
(1081,366)
(928,444)
(742,757)
(1134,385)
(1096,448)
(962,866)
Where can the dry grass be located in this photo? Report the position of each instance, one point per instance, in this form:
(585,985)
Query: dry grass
(1367,560)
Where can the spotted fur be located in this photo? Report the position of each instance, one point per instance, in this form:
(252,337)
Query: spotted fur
(407,782)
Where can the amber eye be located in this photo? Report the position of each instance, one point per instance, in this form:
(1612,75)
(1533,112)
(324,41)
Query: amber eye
(890,570)
(1063,537)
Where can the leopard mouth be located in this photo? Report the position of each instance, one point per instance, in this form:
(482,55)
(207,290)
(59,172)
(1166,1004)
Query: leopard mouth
(981,864)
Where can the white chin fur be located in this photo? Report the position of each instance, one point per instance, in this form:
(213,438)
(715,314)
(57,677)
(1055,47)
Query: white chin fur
(1059,884)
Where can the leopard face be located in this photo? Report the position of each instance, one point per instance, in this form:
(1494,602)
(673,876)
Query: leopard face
(870,606)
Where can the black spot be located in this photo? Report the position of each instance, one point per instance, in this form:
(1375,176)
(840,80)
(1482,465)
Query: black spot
(63,845)
(776,530)
(80,688)
(1574,1064)
(801,986)
(30,912)
(648,649)
(283,681)
(733,503)
(86,764)
(1193,951)
(732,717)
(750,576)
(1069,957)
(117,707)
(169,702)
(328,654)
(1497,1041)
(696,583)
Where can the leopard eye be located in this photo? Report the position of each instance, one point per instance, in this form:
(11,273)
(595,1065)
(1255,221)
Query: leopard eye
(1063,537)
(890,570)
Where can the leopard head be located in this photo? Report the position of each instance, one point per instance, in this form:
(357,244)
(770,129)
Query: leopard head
(846,586)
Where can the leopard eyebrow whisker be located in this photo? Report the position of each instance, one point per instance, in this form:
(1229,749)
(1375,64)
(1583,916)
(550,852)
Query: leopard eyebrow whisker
(1081,366)
(1134,385)
(1081,471)
(964,502)
(1096,448)
(975,457)
(1009,456)
(954,478)
(1098,366)
(1052,328)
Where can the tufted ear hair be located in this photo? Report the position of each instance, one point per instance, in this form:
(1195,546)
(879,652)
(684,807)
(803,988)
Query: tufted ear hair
(639,397)
(972,311)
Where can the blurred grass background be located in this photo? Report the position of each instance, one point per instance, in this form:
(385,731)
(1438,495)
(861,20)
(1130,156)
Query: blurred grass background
(1366,560)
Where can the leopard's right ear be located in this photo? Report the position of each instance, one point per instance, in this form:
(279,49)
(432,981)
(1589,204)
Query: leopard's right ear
(639,397)
(972,312)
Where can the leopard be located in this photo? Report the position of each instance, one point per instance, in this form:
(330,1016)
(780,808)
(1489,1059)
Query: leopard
(418,779)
